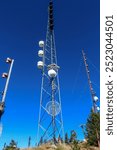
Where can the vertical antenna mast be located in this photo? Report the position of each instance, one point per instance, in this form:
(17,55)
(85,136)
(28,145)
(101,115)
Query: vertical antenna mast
(50,125)
(93,94)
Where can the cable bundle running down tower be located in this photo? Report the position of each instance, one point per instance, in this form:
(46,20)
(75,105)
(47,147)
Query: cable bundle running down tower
(50,125)
(93,94)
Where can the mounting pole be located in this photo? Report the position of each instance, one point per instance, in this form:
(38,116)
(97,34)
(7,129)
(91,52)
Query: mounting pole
(7,81)
(7,76)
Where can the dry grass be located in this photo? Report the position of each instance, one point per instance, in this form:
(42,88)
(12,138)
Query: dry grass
(51,147)
(61,147)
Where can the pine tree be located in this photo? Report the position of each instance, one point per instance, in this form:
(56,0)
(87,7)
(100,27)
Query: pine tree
(93,129)
(29,141)
(41,141)
(11,146)
(73,136)
(66,138)
(75,145)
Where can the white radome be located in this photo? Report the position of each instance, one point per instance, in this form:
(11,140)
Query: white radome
(41,43)
(95,98)
(40,64)
(52,73)
(40,53)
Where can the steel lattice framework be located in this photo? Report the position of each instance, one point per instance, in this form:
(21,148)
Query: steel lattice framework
(50,125)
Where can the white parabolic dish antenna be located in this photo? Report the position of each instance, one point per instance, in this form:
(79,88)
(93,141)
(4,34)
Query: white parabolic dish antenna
(53,108)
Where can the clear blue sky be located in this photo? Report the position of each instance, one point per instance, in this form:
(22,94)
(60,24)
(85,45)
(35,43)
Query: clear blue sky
(22,25)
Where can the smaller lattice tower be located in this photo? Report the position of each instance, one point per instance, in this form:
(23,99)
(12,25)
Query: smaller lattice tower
(95,99)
